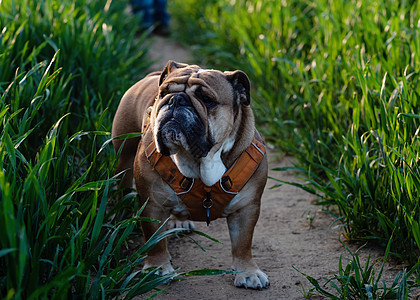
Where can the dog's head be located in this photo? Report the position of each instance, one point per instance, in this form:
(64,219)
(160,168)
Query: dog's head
(196,109)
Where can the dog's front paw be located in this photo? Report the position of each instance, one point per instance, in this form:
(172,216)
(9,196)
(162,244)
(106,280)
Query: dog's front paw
(253,279)
(163,269)
(187,225)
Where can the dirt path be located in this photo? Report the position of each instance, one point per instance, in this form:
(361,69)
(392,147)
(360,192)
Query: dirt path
(283,237)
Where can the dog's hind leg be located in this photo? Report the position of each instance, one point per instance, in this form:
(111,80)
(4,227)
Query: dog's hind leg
(158,256)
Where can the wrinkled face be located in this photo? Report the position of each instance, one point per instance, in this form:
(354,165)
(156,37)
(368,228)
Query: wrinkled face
(196,109)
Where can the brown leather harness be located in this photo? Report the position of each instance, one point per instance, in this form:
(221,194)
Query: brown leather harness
(206,203)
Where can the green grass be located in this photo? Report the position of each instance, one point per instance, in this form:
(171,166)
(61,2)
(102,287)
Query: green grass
(335,84)
(64,66)
(362,281)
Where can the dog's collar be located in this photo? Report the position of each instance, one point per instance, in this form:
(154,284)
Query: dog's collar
(203,202)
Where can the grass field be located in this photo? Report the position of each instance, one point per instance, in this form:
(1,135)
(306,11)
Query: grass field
(63,68)
(335,84)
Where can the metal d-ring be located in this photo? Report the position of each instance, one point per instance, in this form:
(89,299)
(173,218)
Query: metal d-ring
(207,204)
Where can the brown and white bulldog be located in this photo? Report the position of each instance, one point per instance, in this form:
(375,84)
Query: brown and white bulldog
(199,158)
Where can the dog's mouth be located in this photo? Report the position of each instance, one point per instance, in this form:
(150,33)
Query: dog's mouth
(172,133)
(180,128)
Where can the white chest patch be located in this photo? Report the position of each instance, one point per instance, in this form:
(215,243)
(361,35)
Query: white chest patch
(212,168)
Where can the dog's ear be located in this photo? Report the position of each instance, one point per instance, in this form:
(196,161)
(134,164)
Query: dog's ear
(170,67)
(241,86)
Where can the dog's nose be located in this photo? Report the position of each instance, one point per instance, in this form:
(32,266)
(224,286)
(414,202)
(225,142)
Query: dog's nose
(179,100)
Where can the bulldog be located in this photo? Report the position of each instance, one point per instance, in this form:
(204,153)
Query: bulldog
(199,158)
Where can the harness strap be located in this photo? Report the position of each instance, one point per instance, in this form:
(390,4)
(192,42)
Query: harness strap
(166,169)
(244,167)
(195,194)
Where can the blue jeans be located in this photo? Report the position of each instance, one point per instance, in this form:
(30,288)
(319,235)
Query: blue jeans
(151,11)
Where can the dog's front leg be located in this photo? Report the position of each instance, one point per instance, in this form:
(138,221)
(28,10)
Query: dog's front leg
(241,229)
(159,255)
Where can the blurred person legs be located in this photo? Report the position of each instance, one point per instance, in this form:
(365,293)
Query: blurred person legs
(152,13)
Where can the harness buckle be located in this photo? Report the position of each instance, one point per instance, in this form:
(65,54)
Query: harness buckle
(186,183)
(227,183)
(207,204)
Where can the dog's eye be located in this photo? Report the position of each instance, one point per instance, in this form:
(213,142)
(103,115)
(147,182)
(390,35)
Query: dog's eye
(208,100)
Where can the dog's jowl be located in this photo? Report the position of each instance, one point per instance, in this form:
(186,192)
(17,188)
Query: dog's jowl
(200,157)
